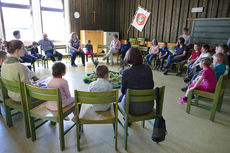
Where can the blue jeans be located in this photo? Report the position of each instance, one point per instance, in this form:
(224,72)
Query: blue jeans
(162,61)
(38,56)
(49,53)
(171,59)
(149,58)
(28,59)
(74,55)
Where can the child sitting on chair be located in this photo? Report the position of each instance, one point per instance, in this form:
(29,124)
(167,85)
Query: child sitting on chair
(205,82)
(219,66)
(124,49)
(34,51)
(153,52)
(58,71)
(101,85)
(162,56)
(89,50)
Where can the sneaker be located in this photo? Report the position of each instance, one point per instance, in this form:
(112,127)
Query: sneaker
(74,65)
(178,74)
(181,101)
(186,80)
(181,98)
(184,89)
(165,72)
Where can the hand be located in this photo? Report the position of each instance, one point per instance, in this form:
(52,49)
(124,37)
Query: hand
(193,66)
(37,54)
(54,52)
(20,60)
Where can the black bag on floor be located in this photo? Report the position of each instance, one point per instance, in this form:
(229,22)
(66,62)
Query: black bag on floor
(159,129)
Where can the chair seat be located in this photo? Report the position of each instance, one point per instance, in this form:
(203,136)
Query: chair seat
(87,113)
(16,105)
(41,111)
(204,94)
(150,115)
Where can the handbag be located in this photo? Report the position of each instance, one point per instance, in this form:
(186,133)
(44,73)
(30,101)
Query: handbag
(159,129)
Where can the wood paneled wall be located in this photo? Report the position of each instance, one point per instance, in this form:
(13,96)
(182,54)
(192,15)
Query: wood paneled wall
(168,17)
(106,15)
(166,22)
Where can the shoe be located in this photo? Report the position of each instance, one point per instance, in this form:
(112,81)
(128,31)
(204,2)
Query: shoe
(178,74)
(181,98)
(83,64)
(103,58)
(74,65)
(186,80)
(165,72)
(182,101)
(184,89)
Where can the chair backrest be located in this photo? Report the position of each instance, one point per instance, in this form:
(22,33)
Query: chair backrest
(144,96)
(141,41)
(42,94)
(132,41)
(95,97)
(103,46)
(221,83)
(143,49)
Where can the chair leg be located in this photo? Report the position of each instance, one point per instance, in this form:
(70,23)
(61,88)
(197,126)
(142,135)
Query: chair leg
(116,129)
(143,123)
(32,128)
(196,100)
(213,110)
(126,134)
(8,116)
(27,126)
(61,135)
(219,105)
(78,137)
(189,102)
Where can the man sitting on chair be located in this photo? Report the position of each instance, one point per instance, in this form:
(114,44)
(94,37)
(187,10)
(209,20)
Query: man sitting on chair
(49,48)
(114,48)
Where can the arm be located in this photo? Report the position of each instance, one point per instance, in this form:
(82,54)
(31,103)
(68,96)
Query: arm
(52,44)
(71,47)
(198,82)
(123,83)
(66,89)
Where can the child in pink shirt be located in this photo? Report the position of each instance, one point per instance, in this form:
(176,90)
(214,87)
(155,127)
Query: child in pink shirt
(58,71)
(205,82)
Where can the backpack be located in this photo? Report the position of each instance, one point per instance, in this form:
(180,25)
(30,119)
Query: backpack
(159,129)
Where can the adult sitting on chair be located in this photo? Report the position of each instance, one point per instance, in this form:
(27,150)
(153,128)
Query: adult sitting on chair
(114,48)
(178,55)
(143,74)
(75,49)
(49,48)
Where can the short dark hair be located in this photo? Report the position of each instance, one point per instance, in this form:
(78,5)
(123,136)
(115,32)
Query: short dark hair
(115,35)
(181,40)
(185,29)
(101,71)
(34,43)
(2,54)
(58,69)
(16,32)
(13,45)
(224,47)
(165,42)
(133,56)
(206,47)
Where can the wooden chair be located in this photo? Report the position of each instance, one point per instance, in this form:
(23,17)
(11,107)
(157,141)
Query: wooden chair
(86,114)
(139,96)
(141,41)
(41,112)
(144,51)
(133,41)
(216,97)
(10,104)
(99,48)
(66,52)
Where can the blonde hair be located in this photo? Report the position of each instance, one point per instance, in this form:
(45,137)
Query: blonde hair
(206,61)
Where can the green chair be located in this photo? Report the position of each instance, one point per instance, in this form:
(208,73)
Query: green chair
(86,115)
(65,53)
(133,41)
(216,97)
(10,104)
(99,48)
(41,112)
(139,96)
(141,41)
(144,51)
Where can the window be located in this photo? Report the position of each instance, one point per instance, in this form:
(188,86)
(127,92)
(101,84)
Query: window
(52,4)
(24,2)
(17,17)
(53,21)
(54,25)
(32,18)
